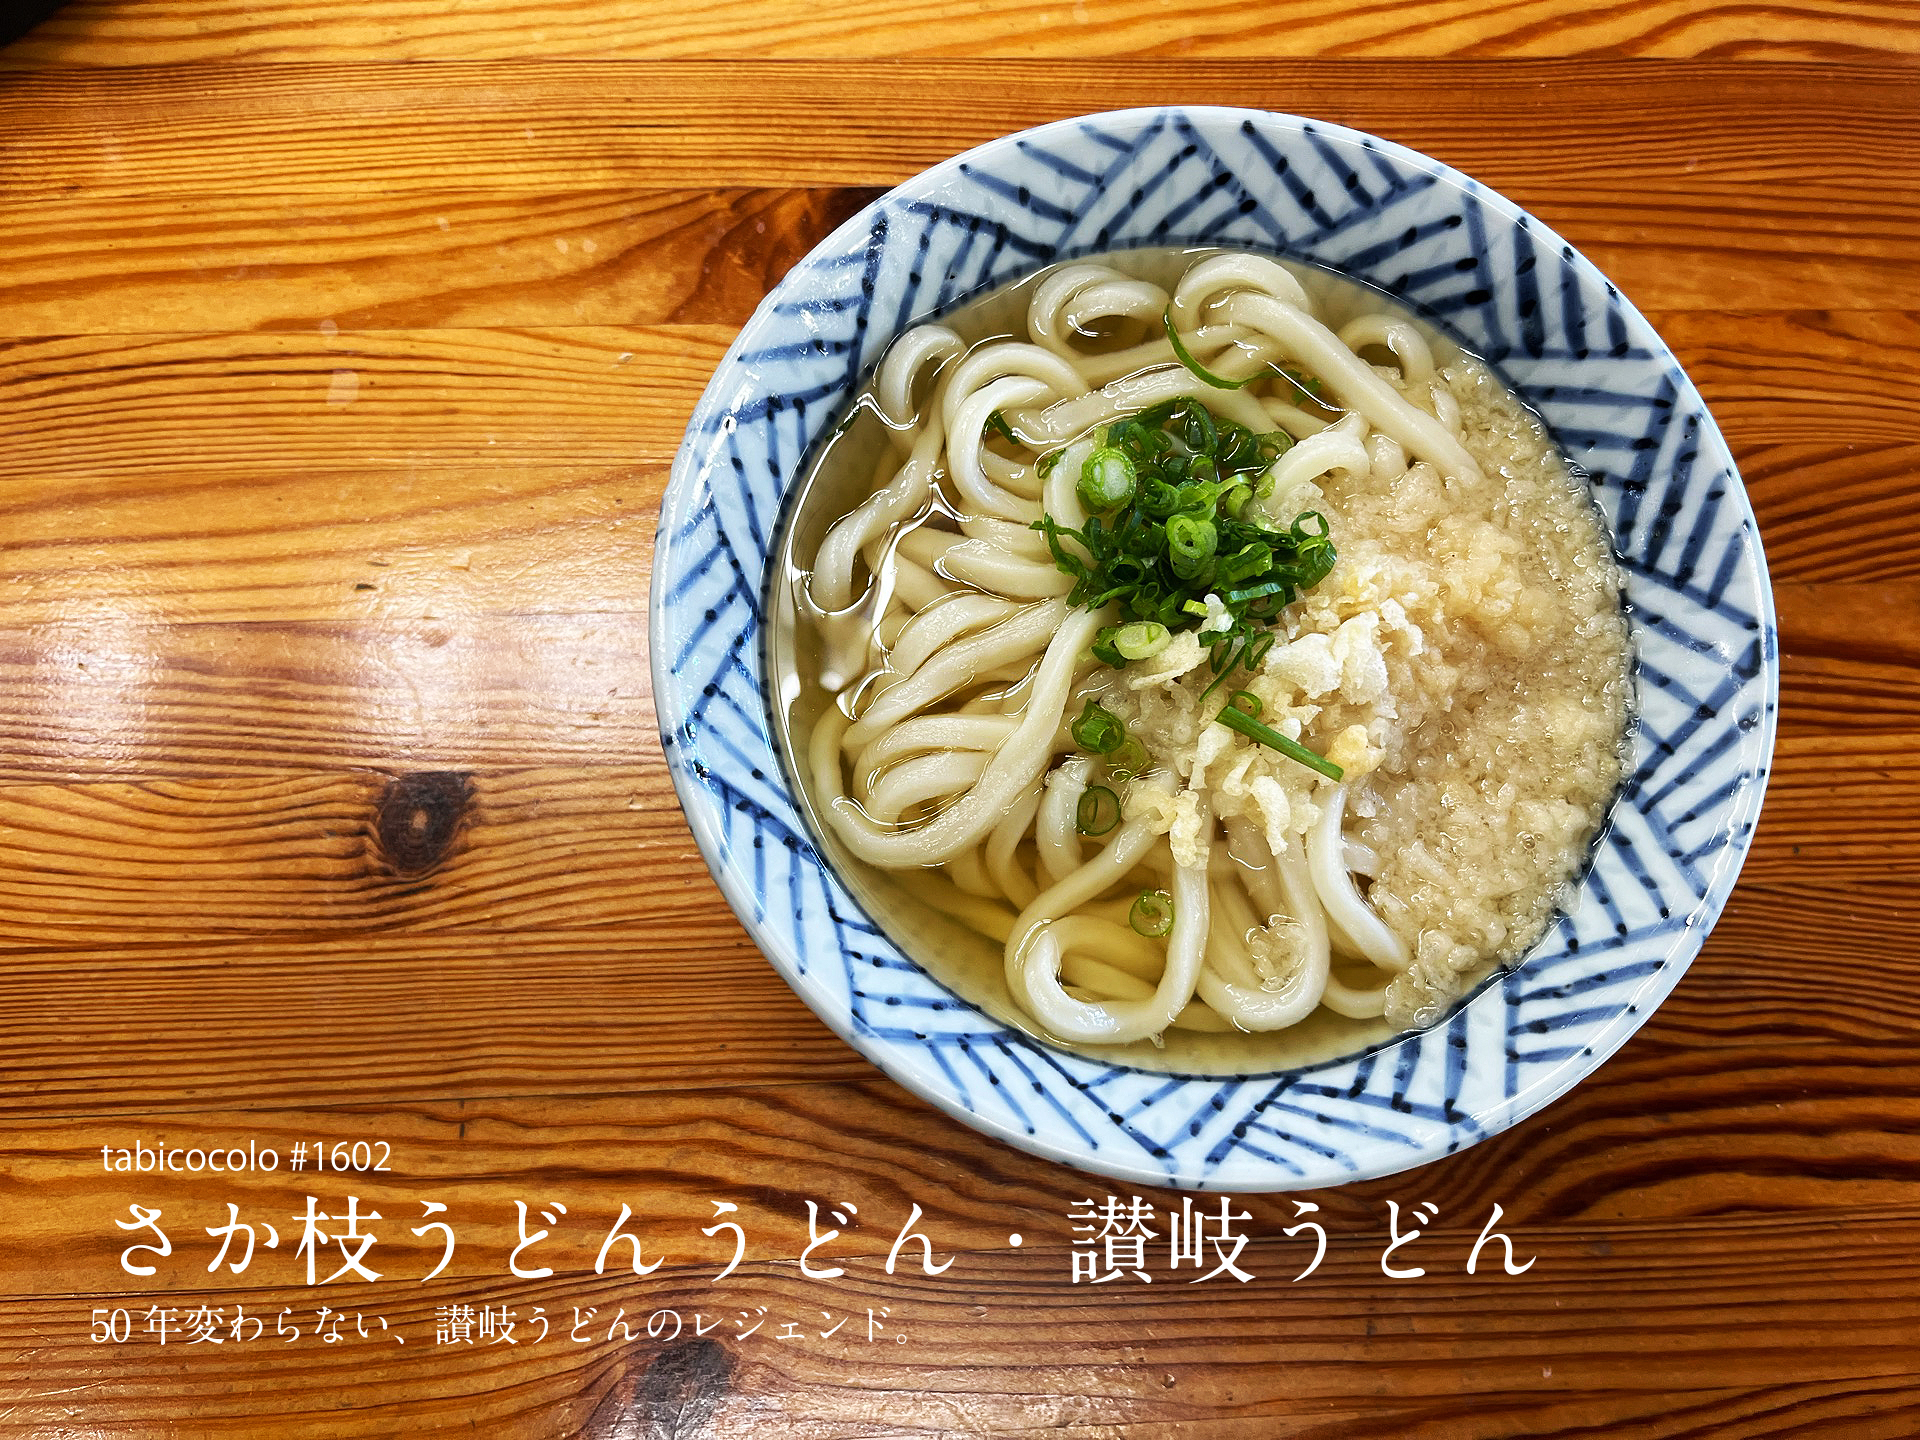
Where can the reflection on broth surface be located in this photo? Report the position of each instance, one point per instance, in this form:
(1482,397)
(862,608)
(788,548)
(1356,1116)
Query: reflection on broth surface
(1193,658)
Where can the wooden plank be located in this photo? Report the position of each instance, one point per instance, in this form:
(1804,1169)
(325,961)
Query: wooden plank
(679,1002)
(1765,374)
(350,262)
(516,968)
(254,404)
(1799,142)
(411,260)
(99,701)
(339,854)
(99,32)
(387,544)
(105,696)
(100,696)
(1835,508)
(191,716)
(1837,803)
(1820,694)
(1873,621)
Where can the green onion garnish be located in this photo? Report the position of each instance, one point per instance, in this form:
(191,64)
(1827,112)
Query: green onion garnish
(1098,811)
(1235,718)
(1191,542)
(1106,480)
(997,423)
(1142,640)
(1247,703)
(1098,730)
(1185,357)
(1152,914)
(1185,531)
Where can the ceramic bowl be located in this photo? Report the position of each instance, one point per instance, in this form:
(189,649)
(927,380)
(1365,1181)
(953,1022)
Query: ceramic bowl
(1506,287)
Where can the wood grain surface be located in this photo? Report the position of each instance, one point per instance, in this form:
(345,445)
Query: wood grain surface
(337,395)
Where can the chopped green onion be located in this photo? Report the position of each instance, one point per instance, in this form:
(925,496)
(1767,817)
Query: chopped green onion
(1106,480)
(1251,592)
(1236,719)
(1098,730)
(1152,914)
(1098,811)
(1190,544)
(1183,534)
(1250,560)
(1048,461)
(1247,703)
(997,423)
(1185,357)
(1142,640)
(1221,659)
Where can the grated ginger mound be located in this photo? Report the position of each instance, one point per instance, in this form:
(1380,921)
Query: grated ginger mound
(1466,663)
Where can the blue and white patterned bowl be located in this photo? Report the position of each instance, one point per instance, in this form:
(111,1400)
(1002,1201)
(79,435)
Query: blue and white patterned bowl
(1510,290)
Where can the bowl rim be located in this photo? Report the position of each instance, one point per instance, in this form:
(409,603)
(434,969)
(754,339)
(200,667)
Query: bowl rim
(736,885)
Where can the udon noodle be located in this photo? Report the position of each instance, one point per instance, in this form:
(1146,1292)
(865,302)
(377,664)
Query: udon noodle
(1463,667)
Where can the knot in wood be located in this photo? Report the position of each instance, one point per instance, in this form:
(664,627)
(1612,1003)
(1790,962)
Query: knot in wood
(417,818)
(680,1391)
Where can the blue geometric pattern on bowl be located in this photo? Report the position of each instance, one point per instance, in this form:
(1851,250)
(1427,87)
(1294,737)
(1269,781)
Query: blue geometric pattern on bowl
(1510,289)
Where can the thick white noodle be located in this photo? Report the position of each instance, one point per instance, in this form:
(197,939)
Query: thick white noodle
(1017,765)
(1034,956)
(1025,633)
(912,353)
(1072,418)
(1397,337)
(1214,277)
(923,778)
(1339,447)
(933,732)
(1258,1008)
(1326,861)
(1021,540)
(1353,380)
(1208,345)
(1070,299)
(938,625)
(964,447)
(1001,854)
(1062,497)
(831,584)
(1057,377)
(1022,577)
(1056,835)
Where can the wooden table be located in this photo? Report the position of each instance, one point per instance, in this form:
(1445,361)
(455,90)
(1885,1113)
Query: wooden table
(337,392)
